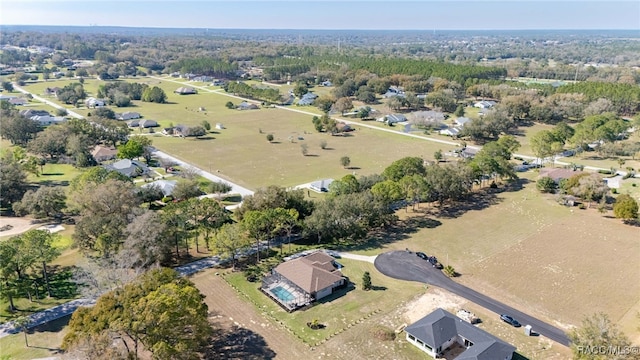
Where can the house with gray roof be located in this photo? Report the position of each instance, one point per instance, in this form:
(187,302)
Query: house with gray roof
(128,115)
(307,99)
(485,104)
(441,331)
(393,118)
(166,186)
(185,90)
(130,168)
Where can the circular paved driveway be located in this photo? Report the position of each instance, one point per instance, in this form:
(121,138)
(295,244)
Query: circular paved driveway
(404,265)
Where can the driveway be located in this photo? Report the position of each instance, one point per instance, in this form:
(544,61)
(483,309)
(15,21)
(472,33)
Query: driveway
(404,265)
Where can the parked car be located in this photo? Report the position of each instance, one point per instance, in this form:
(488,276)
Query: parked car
(421,255)
(509,320)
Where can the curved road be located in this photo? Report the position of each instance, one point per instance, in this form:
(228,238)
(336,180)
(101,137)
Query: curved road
(404,265)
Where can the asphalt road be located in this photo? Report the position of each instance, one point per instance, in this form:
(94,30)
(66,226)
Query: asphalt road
(404,265)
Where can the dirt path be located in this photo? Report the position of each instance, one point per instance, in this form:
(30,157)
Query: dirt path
(20,225)
(232,310)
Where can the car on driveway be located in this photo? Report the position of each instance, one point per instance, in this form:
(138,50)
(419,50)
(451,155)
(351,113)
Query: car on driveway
(509,320)
(421,255)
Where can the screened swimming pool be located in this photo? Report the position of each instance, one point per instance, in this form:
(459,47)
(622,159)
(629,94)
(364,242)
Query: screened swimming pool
(283,294)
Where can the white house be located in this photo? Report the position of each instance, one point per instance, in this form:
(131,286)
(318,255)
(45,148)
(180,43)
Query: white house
(462,121)
(94,103)
(45,120)
(485,104)
(450,131)
(128,115)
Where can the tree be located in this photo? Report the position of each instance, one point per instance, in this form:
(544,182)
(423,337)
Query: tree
(145,242)
(590,188)
(161,310)
(7,85)
(104,112)
(403,167)
(17,129)
(366,281)
(206,125)
(300,89)
(13,181)
(105,209)
(23,323)
(347,185)
(219,188)
(229,240)
(40,244)
(270,137)
(273,197)
(186,189)
(625,208)
(387,192)
(258,226)
(438,155)
(155,95)
(345,161)
(229,105)
(343,104)
(459,111)
(598,332)
(47,201)
(546,185)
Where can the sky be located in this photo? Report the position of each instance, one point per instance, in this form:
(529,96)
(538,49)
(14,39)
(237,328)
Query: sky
(329,14)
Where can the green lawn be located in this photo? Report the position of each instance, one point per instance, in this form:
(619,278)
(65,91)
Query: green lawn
(43,342)
(55,174)
(337,313)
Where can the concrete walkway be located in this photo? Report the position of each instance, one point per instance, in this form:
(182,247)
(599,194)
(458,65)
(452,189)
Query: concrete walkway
(369,259)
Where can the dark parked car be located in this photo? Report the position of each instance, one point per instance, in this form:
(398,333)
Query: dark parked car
(509,320)
(421,255)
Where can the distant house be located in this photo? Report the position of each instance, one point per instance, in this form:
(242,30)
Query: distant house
(428,116)
(343,127)
(94,103)
(288,100)
(103,153)
(130,168)
(326,83)
(247,106)
(51,91)
(485,104)
(219,126)
(178,130)
(450,131)
(307,99)
(298,282)
(185,90)
(441,330)
(45,120)
(217,82)
(128,115)
(147,123)
(166,186)
(558,174)
(321,185)
(393,119)
(28,113)
(17,101)
(462,121)
(202,78)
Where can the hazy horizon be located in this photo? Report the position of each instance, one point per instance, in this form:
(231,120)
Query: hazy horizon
(414,15)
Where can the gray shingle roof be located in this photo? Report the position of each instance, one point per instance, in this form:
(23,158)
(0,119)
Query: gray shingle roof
(439,326)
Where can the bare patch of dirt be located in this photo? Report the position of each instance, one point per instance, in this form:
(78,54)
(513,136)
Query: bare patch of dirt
(18,225)
(431,300)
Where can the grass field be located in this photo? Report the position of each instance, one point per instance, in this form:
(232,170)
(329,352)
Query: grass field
(43,342)
(526,250)
(55,175)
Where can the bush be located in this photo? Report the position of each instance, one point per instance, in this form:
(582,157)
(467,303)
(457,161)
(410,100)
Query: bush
(546,185)
(315,324)
(450,271)
(323,144)
(366,281)
(582,206)
(269,137)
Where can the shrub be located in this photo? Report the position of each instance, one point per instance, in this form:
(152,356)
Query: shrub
(605,172)
(323,144)
(450,271)
(269,137)
(546,185)
(582,206)
(366,281)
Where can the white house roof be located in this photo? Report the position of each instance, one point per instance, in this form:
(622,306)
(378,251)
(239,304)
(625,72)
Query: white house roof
(166,186)
(461,121)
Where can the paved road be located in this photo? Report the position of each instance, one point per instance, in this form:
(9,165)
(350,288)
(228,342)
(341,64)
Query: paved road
(48,102)
(407,266)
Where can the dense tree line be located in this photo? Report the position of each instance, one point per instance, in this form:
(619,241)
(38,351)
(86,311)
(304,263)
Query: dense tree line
(625,98)
(253,92)
(206,66)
